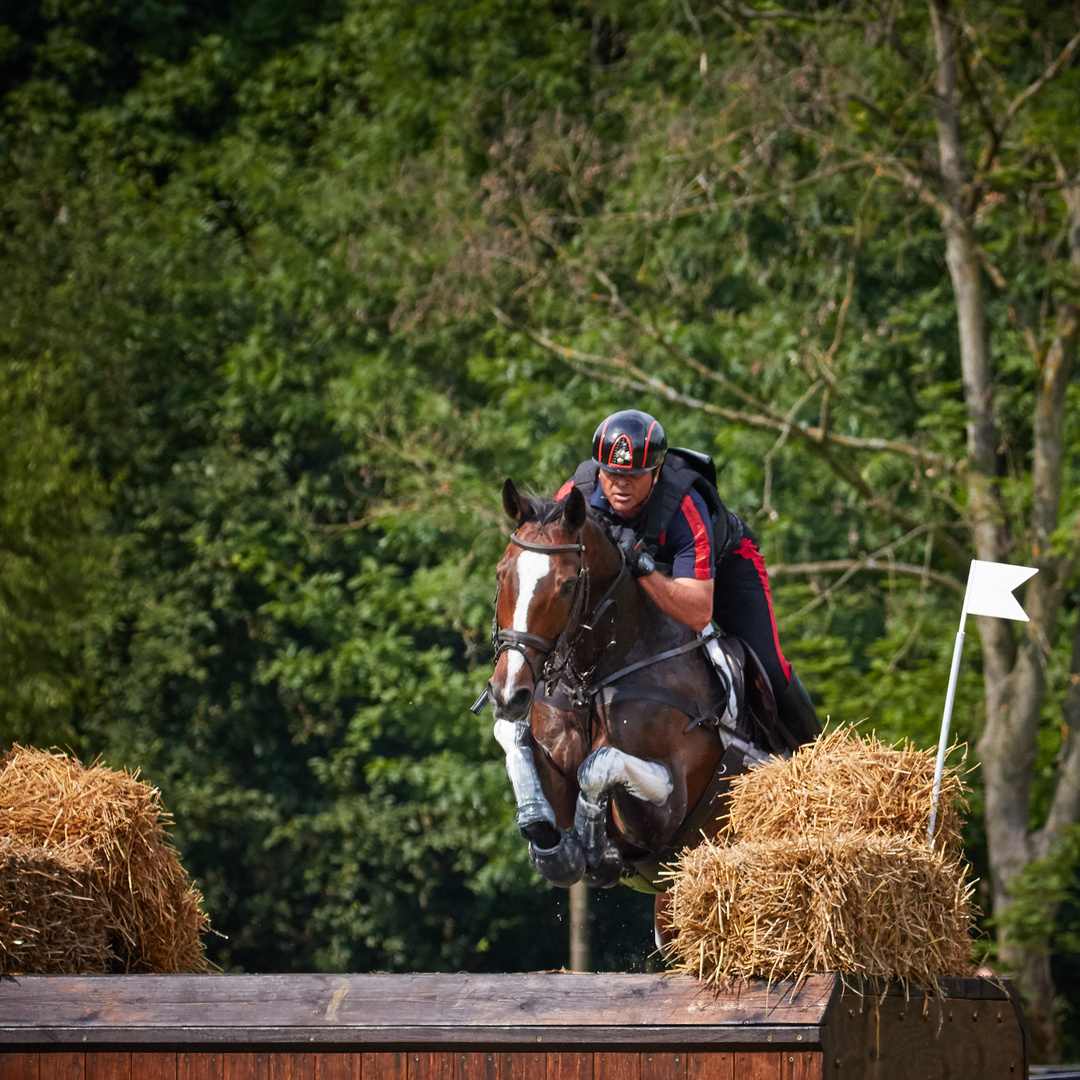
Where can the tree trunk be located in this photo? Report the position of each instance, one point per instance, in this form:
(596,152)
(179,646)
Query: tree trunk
(580,951)
(1014,680)
(1005,770)
(1046,484)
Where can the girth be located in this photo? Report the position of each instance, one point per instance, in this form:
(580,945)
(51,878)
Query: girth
(613,695)
(608,691)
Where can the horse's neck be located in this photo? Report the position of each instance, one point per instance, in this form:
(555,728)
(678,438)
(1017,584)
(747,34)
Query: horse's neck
(637,618)
(605,562)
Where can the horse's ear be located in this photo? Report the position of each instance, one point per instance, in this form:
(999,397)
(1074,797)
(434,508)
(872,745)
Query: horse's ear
(574,510)
(517,507)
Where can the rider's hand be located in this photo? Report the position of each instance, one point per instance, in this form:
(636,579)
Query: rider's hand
(639,560)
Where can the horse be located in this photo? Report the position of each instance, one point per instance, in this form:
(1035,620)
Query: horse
(620,736)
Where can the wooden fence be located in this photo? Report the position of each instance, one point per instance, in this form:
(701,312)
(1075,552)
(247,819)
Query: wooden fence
(549,1026)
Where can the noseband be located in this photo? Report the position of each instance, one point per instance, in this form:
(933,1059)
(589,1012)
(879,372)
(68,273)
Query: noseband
(556,653)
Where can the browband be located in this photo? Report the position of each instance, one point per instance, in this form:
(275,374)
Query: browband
(545,549)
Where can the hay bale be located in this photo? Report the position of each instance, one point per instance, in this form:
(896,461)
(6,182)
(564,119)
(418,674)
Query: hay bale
(862,904)
(49,921)
(825,866)
(112,826)
(845,781)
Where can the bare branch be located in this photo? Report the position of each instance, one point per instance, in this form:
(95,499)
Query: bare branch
(874,562)
(997,132)
(704,208)
(766,498)
(881,164)
(994,141)
(817,18)
(892,36)
(935,461)
(1052,71)
(777,420)
(853,566)
(634,377)
(678,355)
(764,416)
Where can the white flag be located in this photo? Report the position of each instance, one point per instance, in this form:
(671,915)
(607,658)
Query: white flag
(990,589)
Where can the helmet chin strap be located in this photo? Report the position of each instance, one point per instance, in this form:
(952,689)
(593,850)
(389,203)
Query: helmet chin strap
(655,477)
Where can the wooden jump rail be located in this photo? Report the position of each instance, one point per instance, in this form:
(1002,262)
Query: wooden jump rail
(550,1026)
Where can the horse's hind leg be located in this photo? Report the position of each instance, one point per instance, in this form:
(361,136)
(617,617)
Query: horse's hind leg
(601,771)
(603,863)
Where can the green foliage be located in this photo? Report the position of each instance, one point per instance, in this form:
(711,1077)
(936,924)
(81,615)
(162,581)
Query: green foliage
(53,570)
(288,290)
(1040,889)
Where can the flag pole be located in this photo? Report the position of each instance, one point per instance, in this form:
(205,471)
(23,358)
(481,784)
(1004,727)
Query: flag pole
(989,591)
(946,719)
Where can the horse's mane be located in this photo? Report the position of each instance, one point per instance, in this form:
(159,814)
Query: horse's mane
(547,511)
(543,511)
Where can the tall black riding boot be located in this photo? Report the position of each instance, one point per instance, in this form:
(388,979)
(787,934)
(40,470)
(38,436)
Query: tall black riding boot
(797,711)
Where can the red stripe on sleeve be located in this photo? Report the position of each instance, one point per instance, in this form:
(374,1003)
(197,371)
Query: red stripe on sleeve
(701,538)
(564,490)
(748,550)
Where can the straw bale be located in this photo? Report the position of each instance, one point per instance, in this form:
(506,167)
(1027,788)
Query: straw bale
(825,865)
(49,920)
(846,781)
(113,826)
(861,904)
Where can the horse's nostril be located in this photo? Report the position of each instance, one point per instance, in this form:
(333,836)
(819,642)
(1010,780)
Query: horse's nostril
(515,706)
(519,702)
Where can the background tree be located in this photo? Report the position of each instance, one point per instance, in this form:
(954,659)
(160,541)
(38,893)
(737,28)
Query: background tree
(832,142)
(289,290)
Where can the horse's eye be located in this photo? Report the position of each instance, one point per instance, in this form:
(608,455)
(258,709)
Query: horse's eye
(568,587)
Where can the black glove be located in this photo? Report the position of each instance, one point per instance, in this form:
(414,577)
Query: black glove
(639,559)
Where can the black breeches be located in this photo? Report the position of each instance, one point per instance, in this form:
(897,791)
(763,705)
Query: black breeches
(742,607)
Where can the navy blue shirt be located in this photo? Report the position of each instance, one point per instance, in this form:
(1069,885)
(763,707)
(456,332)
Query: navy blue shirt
(688,542)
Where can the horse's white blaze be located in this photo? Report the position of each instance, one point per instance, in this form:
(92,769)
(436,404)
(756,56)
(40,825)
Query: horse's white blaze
(607,767)
(532,567)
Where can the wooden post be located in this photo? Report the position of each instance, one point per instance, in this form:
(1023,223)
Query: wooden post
(580,952)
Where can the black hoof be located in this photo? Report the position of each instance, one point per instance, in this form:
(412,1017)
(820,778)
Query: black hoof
(562,864)
(605,873)
(541,834)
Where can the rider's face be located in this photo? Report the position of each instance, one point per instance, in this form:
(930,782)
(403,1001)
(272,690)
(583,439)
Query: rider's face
(627,492)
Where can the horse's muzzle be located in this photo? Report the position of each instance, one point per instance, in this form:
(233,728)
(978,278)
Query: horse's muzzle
(515,706)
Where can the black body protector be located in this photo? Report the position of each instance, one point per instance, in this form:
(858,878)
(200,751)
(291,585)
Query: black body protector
(685,470)
(682,471)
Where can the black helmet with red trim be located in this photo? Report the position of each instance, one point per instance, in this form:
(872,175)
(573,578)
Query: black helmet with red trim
(630,441)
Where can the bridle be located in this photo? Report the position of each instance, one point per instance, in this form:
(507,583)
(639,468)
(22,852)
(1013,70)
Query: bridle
(558,674)
(557,653)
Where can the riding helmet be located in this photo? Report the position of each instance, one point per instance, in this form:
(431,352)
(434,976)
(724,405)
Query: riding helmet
(630,441)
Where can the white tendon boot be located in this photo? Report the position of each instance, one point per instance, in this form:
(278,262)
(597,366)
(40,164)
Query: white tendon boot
(720,662)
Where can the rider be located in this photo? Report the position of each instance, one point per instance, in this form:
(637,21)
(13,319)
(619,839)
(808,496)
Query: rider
(694,558)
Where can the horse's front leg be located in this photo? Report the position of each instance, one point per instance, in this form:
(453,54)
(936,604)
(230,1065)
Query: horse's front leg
(556,854)
(603,770)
